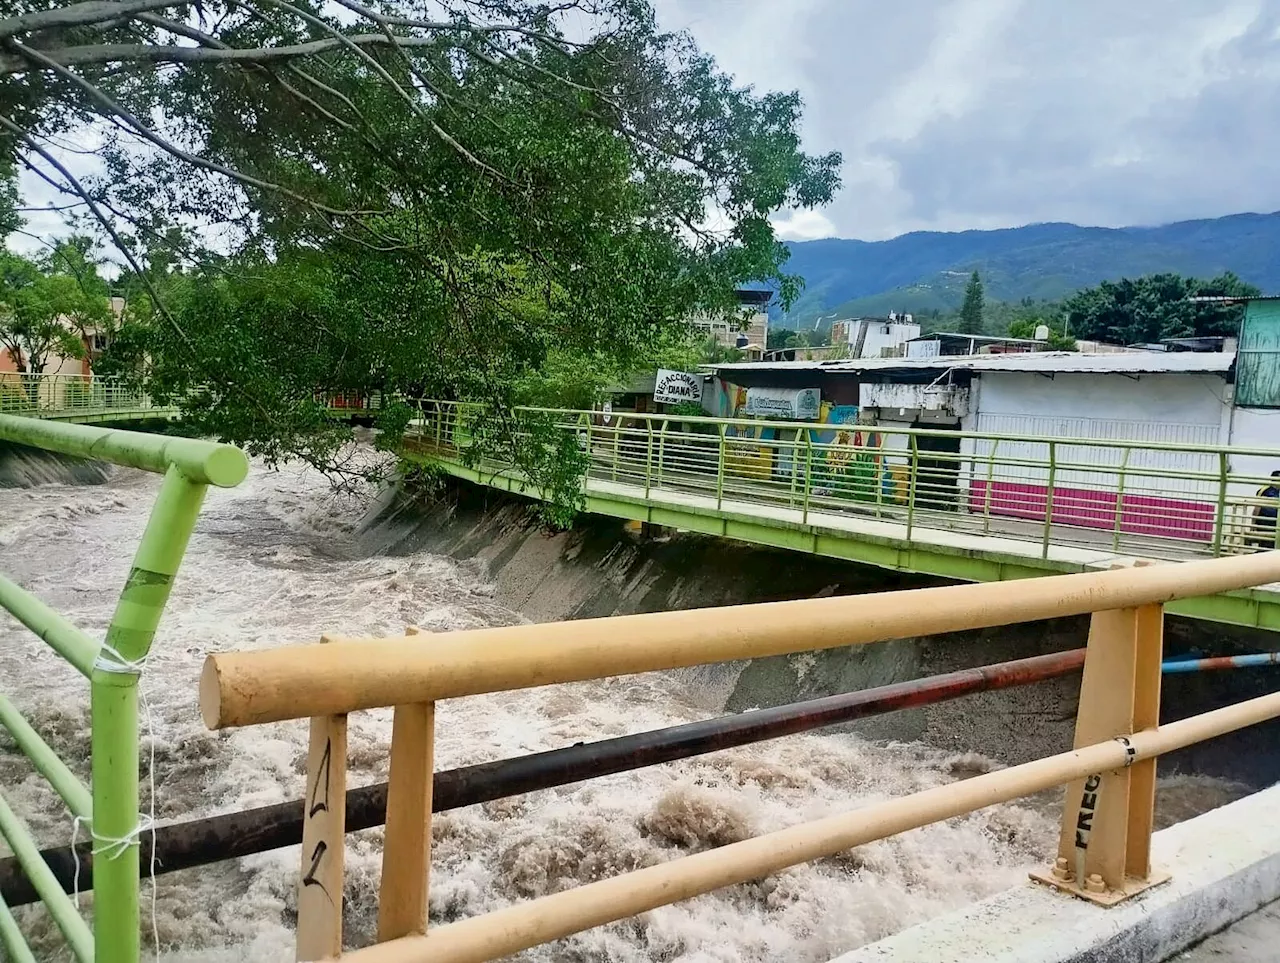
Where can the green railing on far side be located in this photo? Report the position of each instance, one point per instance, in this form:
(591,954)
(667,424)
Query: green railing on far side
(1149,499)
(108,810)
(69,396)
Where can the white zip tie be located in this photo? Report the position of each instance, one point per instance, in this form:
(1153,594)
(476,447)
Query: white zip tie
(110,660)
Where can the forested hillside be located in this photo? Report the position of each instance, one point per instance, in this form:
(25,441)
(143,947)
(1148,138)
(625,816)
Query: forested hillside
(926,272)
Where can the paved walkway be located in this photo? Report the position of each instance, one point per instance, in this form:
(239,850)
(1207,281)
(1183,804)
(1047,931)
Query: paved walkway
(1255,939)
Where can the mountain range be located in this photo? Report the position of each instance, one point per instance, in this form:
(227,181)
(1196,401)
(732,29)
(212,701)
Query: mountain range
(927,270)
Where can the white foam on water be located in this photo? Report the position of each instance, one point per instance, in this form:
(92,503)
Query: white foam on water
(273,562)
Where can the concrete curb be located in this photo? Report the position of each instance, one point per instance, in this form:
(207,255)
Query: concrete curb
(1225,864)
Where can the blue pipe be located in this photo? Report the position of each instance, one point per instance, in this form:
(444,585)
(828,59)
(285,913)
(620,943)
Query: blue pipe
(1220,662)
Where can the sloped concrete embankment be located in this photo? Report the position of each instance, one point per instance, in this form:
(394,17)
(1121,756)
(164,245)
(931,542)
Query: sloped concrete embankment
(600,569)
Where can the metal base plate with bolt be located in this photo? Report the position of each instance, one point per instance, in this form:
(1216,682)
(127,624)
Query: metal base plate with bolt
(1061,878)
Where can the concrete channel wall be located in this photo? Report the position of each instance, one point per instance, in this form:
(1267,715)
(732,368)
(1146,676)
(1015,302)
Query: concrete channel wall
(598,569)
(1225,865)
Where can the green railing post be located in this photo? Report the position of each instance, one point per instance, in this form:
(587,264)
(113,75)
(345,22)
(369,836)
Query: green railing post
(1119,527)
(617,448)
(911,484)
(662,447)
(1048,499)
(109,808)
(1221,520)
(45,883)
(808,473)
(648,456)
(11,938)
(878,475)
(986,495)
(114,702)
(720,469)
(795,470)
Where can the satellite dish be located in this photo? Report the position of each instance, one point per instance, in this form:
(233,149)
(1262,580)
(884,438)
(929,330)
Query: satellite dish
(1042,332)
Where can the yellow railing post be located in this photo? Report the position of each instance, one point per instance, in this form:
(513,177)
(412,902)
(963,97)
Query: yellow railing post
(406,851)
(323,840)
(1104,848)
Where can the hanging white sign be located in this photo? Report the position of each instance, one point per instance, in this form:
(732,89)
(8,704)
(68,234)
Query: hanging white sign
(673,387)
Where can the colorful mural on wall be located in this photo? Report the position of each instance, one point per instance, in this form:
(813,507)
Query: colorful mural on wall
(850,463)
(847,459)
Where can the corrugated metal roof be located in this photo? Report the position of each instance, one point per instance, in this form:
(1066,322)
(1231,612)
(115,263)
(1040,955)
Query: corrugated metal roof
(977,338)
(1229,299)
(1136,362)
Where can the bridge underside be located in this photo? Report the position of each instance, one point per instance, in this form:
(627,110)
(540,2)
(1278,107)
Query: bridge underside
(110,416)
(964,556)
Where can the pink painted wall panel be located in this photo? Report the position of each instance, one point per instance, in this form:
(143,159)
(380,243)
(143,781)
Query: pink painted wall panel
(1087,508)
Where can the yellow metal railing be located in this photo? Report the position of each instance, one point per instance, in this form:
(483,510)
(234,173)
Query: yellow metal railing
(1104,847)
(1148,499)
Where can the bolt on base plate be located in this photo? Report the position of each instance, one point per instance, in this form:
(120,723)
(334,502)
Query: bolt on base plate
(1094,889)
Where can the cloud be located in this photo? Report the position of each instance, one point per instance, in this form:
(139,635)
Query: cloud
(956,114)
(803,226)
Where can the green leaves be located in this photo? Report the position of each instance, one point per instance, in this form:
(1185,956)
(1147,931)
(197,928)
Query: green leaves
(1147,309)
(48,308)
(486,204)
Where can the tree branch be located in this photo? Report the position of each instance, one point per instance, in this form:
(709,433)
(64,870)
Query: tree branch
(409,99)
(208,40)
(79,15)
(116,110)
(167,54)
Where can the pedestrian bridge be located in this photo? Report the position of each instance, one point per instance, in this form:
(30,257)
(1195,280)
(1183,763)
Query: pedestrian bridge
(90,400)
(78,399)
(1105,855)
(963,505)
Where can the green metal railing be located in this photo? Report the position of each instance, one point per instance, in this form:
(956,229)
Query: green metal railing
(1148,499)
(81,397)
(68,396)
(109,810)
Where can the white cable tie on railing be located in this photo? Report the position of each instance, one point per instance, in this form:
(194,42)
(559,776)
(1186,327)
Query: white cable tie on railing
(110,660)
(114,847)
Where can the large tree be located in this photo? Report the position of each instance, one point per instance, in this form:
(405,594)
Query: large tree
(971,309)
(47,307)
(327,195)
(1144,310)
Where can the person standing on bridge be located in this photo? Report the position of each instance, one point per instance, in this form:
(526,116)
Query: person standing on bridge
(1264,516)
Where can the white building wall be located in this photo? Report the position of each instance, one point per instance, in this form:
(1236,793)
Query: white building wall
(887,335)
(1165,408)
(1254,428)
(1257,428)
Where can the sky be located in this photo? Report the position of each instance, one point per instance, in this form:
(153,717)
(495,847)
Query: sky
(959,114)
(962,114)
